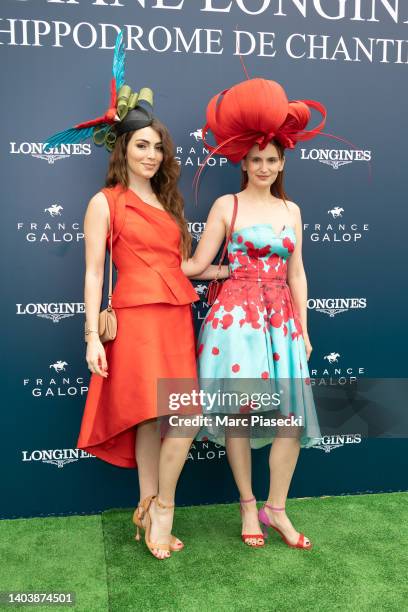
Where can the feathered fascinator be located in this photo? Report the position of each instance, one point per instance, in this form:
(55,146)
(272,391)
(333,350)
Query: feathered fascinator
(257,111)
(127,110)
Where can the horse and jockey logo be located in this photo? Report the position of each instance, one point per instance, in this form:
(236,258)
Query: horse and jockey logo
(198,134)
(201,307)
(54,210)
(332,357)
(336,212)
(201,289)
(59,366)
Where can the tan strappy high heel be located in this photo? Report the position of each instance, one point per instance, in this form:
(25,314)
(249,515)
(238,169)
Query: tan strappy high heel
(175,543)
(142,512)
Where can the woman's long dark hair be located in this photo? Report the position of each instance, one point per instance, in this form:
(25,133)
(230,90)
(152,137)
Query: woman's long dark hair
(164,182)
(277,188)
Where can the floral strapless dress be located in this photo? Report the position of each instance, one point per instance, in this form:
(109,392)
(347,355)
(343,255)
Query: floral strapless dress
(251,342)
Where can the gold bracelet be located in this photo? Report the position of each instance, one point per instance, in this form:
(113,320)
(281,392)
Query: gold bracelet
(88,331)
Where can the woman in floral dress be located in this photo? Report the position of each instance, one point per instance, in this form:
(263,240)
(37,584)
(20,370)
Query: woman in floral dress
(254,337)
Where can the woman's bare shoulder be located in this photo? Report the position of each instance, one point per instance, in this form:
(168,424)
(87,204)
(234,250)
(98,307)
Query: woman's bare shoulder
(293,207)
(98,208)
(294,210)
(98,205)
(98,200)
(224,203)
(224,199)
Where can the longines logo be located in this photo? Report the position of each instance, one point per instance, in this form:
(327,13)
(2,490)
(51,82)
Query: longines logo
(332,232)
(55,311)
(334,306)
(58,457)
(336,158)
(196,229)
(37,150)
(60,384)
(51,231)
(201,451)
(336,373)
(195,155)
(328,443)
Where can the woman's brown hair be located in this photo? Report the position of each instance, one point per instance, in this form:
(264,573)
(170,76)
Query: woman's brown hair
(164,182)
(277,188)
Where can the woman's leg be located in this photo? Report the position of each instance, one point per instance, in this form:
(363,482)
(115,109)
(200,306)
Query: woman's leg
(147,454)
(173,454)
(282,462)
(239,458)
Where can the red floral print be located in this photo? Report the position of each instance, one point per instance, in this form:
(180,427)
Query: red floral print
(257,253)
(288,244)
(227,321)
(276,319)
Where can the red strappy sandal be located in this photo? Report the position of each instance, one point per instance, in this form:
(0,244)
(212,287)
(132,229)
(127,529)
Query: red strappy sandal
(264,519)
(245,537)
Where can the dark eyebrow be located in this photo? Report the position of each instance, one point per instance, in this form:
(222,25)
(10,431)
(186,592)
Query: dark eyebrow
(147,141)
(273,157)
(270,157)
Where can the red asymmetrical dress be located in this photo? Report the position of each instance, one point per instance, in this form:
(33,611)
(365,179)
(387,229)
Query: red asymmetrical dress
(155,336)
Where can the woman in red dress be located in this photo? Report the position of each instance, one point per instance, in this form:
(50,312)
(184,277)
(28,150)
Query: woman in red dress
(155,337)
(152,302)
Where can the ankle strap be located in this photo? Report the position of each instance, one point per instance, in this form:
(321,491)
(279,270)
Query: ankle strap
(160,504)
(274,508)
(144,506)
(246,501)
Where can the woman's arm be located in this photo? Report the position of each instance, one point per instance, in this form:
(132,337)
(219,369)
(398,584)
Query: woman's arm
(211,272)
(96,227)
(297,278)
(209,243)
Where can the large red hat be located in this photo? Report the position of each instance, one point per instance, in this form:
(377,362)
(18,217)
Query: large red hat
(257,111)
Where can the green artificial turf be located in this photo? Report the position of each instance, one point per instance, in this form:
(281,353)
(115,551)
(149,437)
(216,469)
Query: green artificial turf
(358,562)
(55,554)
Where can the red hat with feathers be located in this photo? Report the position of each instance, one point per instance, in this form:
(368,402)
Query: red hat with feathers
(257,111)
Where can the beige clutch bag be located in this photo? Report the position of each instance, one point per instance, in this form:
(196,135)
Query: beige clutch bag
(107,325)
